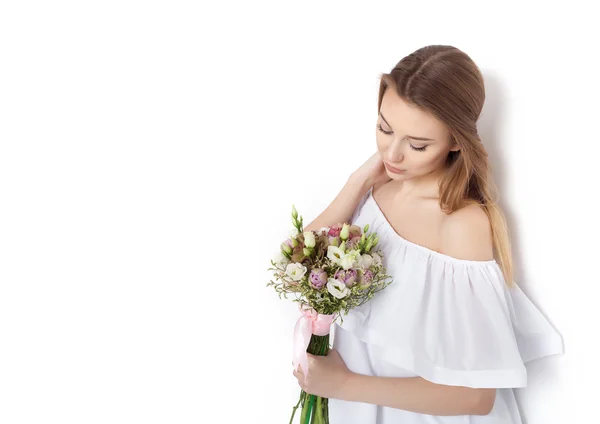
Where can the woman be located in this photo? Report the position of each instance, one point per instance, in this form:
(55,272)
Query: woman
(447,341)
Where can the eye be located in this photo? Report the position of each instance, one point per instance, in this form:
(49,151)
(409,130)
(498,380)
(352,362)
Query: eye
(418,149)
(382,130)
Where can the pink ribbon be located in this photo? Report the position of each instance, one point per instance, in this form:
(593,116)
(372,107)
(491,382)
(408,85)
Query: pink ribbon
(309,323)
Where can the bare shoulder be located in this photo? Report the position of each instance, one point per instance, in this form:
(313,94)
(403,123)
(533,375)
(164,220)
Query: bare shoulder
(466,234)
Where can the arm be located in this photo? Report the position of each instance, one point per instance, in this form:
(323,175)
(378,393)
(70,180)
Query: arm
(328,376)
(370,174)
(418,395)
(344,204)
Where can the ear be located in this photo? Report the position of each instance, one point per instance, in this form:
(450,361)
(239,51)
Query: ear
(455,147)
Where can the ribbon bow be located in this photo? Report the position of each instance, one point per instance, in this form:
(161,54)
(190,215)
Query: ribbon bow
(309,323)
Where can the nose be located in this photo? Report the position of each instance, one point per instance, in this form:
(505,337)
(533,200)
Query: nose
(394,152)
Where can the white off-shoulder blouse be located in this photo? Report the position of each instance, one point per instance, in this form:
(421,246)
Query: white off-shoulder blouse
(450,321)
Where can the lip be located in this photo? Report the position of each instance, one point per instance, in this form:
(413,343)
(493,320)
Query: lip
(394,170)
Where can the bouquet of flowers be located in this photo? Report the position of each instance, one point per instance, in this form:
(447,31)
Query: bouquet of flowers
(329,271)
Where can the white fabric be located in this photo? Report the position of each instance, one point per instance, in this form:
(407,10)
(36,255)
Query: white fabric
(448,320)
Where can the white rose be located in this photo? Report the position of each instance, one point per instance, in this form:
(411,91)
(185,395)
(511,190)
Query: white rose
(280,258)
(309,239)
(349,260)
(376,258)
(326,229)
(337,288)
(295,271)
(335,254)
(365,261)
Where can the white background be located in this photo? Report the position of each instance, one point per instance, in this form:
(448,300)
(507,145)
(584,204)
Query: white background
(150,153)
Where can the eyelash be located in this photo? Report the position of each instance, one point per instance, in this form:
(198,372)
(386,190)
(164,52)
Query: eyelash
(418,149)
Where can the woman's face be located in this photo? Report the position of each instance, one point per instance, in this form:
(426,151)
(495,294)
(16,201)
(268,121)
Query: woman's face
(411,142)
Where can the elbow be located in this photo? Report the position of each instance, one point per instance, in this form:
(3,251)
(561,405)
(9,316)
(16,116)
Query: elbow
(484,400)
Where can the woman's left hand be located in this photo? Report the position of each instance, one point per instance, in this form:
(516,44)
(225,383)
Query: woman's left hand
(326,375)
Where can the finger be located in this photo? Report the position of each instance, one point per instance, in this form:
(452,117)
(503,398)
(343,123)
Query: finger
(299,376)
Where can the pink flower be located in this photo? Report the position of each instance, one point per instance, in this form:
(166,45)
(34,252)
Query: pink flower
(348,277)
(355,231)
(317,278)
(335,230)
(352,243)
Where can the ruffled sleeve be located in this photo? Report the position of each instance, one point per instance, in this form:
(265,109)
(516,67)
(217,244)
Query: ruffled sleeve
(453,322)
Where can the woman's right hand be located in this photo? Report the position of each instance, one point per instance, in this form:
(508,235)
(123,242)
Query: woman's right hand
(372,171)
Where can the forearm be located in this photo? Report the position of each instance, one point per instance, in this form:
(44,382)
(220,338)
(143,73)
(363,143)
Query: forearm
(341,208)
(418,395)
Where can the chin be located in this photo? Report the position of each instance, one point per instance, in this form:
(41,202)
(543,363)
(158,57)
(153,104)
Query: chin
(394,176)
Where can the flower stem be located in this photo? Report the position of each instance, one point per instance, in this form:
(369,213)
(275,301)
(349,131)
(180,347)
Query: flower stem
(309,409)
(304,397)
(319,411)
(296,407)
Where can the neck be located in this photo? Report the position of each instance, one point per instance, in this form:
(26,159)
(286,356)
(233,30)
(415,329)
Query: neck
(423,186)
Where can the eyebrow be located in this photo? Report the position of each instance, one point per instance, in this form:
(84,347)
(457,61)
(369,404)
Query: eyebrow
(409,136)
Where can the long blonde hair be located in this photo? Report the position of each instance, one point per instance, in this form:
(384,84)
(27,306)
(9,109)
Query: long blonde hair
(445,82)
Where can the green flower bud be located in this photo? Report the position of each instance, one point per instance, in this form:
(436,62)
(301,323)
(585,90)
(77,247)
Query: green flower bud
(286,249)
(306,251)
(366,229)
(294,212)
(345,232)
